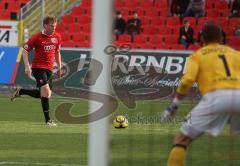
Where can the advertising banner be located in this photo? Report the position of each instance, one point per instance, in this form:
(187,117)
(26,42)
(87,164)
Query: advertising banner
(8,33)
(133,76)
(9,60)
(136,72)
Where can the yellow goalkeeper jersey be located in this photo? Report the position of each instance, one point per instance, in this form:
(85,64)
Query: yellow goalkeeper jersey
(213,67)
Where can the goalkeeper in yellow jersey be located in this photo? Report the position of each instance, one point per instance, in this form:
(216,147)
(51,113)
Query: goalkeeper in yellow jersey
(216,69)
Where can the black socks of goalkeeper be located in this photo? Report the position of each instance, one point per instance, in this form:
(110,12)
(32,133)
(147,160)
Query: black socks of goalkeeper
(45,107)
(30,92)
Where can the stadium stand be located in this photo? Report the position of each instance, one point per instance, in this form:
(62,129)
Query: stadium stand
(159,29)
(155,16)
(10,9)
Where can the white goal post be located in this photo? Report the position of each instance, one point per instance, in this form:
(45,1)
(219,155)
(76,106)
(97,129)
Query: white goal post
(98,141)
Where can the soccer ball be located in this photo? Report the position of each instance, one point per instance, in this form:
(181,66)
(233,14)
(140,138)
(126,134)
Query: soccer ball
(120,121)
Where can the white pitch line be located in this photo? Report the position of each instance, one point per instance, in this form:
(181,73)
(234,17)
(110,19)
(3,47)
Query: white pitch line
(42,164)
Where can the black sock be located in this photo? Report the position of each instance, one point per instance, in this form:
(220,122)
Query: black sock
(30,92)
(45,107)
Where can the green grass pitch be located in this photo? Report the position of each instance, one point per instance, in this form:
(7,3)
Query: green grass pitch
(24,139)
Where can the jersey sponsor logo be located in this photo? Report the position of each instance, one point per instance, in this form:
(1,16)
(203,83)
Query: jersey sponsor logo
(49,48)
(54,40)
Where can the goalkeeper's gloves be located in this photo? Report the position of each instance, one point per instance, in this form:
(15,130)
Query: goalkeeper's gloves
(170,111)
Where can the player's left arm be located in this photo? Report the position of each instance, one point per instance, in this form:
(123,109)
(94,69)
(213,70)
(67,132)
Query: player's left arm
(59,63)
(58,56)
(185,84)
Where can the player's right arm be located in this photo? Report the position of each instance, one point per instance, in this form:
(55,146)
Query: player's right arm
(26,63)
(27,47)
(185,84)
(190,75)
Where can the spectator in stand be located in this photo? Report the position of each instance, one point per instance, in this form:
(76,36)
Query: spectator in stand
(236,30)
(196,8)
(186,34)
(178,7)
(133,25)
(235,12)
(120,24)
(229,2)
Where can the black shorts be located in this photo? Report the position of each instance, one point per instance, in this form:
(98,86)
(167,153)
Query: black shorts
(42,76)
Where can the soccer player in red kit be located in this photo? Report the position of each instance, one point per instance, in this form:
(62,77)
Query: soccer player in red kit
(46,45)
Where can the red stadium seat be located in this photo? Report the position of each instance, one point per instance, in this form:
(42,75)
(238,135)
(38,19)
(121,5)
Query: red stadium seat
(197,30)
(149,46)
(86,28)
(83,19)
(159,21)
(222,21)
(175,30)
(78,11)
(145,21)
(177,46)
(13,7)
(119,4)
(163,30)
(173,21)
(146,4)
(60,28)
(213,13)
(140,39)
(124,39)
(165,12)
(228,30)
(74,28)
(203,20)
(88,37)
(209,5)
(138,45)
(225,12)
(155,39)
(170,39)
(66,36)
(5,15)
(149,30)
(132,4)
(234,41)
(152,13)
(220,5)
(233,21)
(161,4)
(68,19)
(86,3)
(193,47)
(67,44)
(79,38)
(163,46)
(83,45)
